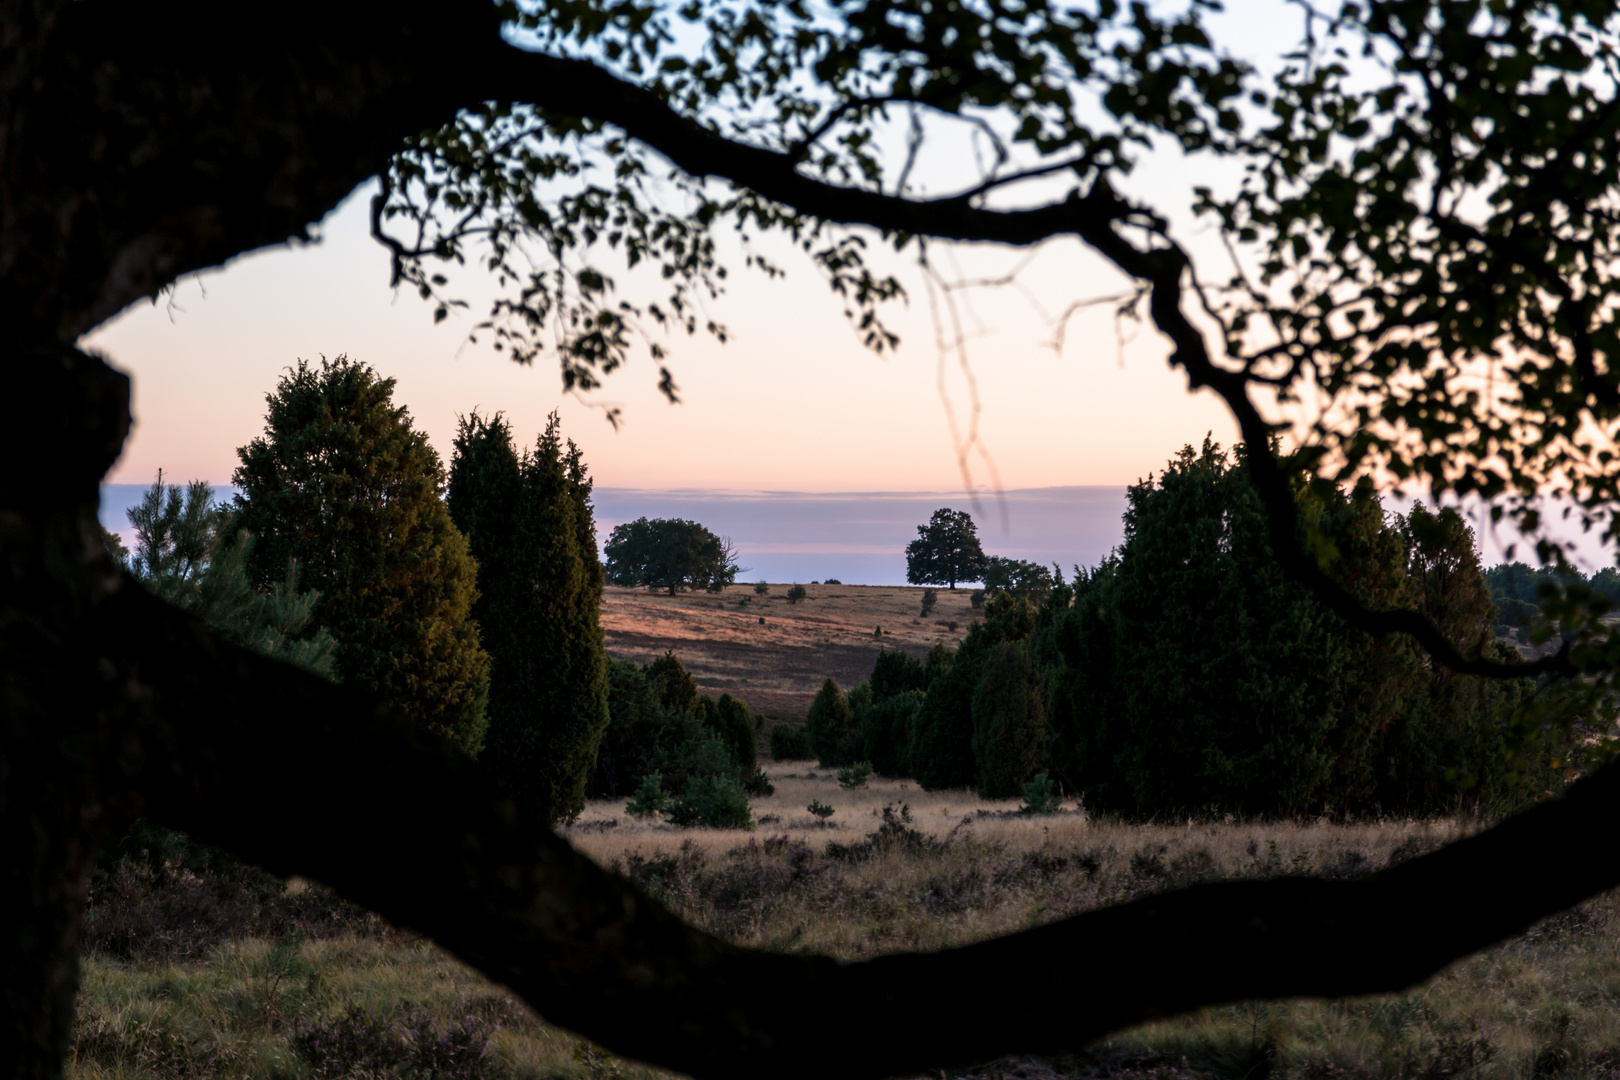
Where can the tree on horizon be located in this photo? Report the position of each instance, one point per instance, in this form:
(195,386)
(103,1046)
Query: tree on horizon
(946,550)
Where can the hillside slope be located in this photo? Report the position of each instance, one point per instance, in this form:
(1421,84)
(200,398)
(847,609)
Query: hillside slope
(777,667)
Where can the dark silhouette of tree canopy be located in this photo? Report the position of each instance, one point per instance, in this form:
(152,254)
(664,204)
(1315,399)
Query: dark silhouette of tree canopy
(946,550)
(1406,231)
(671,554)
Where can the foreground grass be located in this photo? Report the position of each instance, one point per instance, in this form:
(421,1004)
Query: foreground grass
(945,870)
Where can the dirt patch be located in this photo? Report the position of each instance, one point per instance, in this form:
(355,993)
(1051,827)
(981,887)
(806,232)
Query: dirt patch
(778,665)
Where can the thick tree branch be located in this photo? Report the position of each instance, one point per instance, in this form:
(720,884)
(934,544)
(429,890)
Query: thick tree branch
(310,778)
(1093,218)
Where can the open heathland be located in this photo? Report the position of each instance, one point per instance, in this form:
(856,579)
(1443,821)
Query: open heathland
(239,975)
(778,665)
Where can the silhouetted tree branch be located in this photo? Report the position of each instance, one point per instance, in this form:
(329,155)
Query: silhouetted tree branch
(131,154)
(405,826)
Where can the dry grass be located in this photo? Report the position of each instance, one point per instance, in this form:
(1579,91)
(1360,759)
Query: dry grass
(1540,1007)
(778,666)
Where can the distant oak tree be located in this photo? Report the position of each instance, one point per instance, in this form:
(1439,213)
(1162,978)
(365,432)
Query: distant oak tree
(670,554)
(946,551)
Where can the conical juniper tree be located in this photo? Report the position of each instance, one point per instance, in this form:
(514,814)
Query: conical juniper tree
(528,522)
(342,482)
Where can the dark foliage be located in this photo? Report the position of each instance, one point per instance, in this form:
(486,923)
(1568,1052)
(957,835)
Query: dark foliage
(702,755)
(946,550)
(1009,721)
(529,524)
(1019,577)
(831,727)
(789,742)
(672,685)
(940,749)
(157,895)
(886,732)
(734,723)
(635,717)
(1195,677)
(342,482)
(189,551)
(669,553)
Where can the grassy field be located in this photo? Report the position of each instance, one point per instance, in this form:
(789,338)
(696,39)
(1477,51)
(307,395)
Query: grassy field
(893,869)
(778,665)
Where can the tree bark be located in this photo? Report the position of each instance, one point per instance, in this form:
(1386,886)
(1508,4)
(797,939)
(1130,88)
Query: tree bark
(131,154)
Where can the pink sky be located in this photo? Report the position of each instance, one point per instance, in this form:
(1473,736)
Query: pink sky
(792,402)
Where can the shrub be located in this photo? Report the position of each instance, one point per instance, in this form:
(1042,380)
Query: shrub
(795,594)
(762,588)
(712,802)
(820,809)
(789,742)
(735,724)
(672,684)
(395,578)
(1040,796)
(930,597)
(649,799)
(941,748)
(854,776)
(360,1043)
(1009,721)
(529,524)
(831,726)
(886,731)
(834,581)
(976,599)
(759,785)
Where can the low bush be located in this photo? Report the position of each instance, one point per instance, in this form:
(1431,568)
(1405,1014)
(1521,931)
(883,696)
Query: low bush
(789,742)
(795,594)
(156,895)
(1040,796)
(649,799)
(712,802)
(854,776)
(930,597)
(361,1043)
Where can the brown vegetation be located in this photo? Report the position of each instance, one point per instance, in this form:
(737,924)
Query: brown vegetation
(893,869)
(777,666)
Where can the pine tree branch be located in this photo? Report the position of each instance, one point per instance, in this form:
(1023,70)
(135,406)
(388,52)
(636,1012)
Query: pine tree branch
(309,778)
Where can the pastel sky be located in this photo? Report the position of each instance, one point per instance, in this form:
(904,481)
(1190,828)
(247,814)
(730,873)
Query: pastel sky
(793,402)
